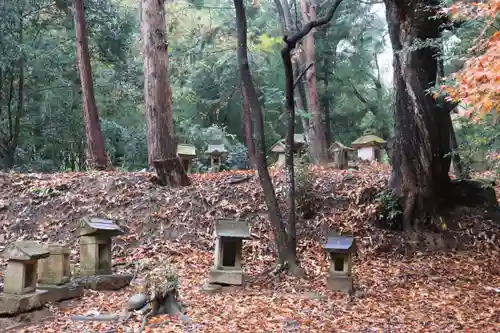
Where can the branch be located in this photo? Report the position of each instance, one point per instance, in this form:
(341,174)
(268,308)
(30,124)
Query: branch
(297,80)
(292,41)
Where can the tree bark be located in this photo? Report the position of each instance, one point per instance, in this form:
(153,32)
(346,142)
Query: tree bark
(162,146)
(421,143)
(248,128)
(97,157)
(286,255)
(317,131)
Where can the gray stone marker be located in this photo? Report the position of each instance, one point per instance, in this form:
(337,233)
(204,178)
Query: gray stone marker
(54,273)
(340,250)
(95,245)
(20,293)
(229,236)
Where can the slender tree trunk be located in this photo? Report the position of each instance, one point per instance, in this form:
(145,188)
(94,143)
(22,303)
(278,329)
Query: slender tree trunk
(248,128)
(287,29)
(421,142)
(95,141)
(286,255)
(317,130)
(162,146)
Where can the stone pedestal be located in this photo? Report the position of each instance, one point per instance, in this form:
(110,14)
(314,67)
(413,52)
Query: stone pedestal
(340,283)
(56,293)
(55,270)
(11,304)
(226,276)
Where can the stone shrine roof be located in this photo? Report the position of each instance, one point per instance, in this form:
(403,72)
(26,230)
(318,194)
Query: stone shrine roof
(95,225)
(368,141)
(216,149)
(186,149)
(24,251)
(232,228)
(340,244)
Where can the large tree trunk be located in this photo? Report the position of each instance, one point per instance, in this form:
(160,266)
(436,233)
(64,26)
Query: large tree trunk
(421,143)
(95,141)
(248,129)
(317,130)
(162,146)
(286,255)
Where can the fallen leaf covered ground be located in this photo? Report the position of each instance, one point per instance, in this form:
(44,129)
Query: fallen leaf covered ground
(429,291)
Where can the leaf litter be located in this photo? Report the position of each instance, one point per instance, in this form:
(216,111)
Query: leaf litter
(427,291)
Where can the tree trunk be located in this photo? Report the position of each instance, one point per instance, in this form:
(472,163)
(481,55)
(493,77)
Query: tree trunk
(286,255)
(317,131)
(95,141)
(248,128)
(421,142)
(162,146)
(287,28)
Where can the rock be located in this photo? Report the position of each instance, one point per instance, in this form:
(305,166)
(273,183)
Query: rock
(211,287)
(136,302)
(104,282)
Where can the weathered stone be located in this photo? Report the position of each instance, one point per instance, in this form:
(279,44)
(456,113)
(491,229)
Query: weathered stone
(56,293)
(95,255)
(55,270)
(211,287)
(13,304)
(104,282)
(228,244)
(340,250)
(340,283)
(226,277)
(22,265)
(95,245)
(137,301)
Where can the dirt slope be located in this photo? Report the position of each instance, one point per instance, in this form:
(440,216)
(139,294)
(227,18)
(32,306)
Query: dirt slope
(429,292)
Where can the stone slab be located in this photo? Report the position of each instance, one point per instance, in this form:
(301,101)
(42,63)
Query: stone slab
(340,283)
(104,282)
(218,276)
(13,304)
(62,292)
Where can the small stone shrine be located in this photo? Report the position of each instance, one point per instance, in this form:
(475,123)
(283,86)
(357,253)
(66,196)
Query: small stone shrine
(340,154)
(22,265)
(298,149)
(186,154)
(95,245)
(217,153)
(229,236)
(340,251)
(54,273)
(55,270)
(370,147)
(19,292)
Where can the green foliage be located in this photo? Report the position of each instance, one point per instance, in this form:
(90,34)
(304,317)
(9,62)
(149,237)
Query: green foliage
(389,210)
(203,73)
(305,197)
(478,144)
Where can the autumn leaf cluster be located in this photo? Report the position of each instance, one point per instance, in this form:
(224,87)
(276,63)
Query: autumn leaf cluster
(477,84)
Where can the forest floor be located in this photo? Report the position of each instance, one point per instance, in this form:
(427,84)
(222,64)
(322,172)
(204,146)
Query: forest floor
(455,287)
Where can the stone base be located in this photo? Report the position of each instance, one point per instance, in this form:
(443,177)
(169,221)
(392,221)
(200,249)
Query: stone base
(61,292)
(218,276)
(104,282)
(13,304)
(340,283)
